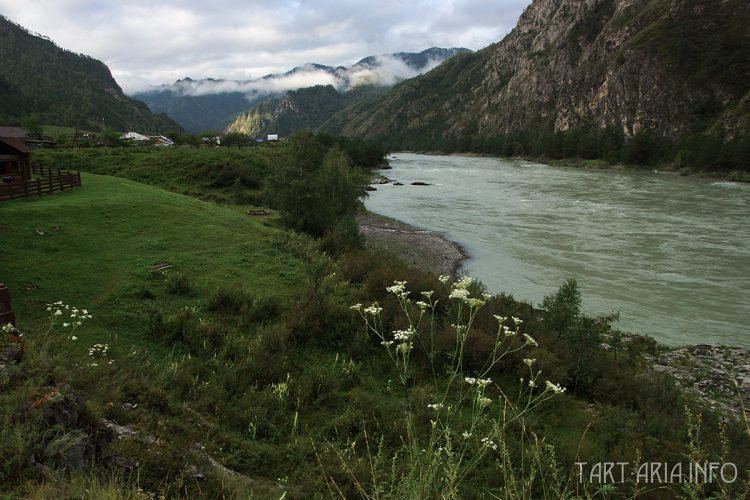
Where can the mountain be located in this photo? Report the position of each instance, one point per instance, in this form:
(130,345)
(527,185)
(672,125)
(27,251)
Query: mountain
(40,80)
(307,108)
(213,104)
(663,68)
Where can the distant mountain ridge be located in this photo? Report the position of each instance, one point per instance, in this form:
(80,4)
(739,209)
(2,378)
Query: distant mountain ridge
(44,82)
(213,104)
(669,67)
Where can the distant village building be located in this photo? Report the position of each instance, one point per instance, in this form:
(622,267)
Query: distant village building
(136,138)
(160,140)
(273,137)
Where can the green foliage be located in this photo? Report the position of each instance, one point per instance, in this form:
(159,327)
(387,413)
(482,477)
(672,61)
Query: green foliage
(312,187)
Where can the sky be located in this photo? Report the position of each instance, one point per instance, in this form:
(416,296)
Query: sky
(147,43)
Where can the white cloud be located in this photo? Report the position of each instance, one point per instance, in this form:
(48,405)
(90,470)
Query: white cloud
(147,43)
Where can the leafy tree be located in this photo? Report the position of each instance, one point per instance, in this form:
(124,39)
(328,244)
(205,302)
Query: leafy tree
(312,187)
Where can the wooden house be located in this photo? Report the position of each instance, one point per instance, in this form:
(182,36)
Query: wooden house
(15,165)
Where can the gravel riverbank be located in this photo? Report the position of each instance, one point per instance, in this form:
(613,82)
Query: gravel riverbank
(420,248)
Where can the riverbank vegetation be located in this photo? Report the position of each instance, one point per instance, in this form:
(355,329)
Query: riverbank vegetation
(234,354)
(695,152)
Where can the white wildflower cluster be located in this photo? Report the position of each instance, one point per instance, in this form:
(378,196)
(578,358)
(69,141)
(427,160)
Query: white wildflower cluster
(404,339)
(444,279)
(555,387)
(422,305)
(480,382)
(428,294)
(488,443)
(72,316)
(466,435)
(435,406)
(356,307)
(100,352)
(8,329)
(529,340)
(529,362)
(460,291)
(398,289)
(373,310)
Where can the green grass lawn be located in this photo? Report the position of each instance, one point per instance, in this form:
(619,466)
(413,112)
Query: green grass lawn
(95,247)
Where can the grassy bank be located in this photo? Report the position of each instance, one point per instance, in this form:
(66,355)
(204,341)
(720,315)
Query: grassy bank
(249,370)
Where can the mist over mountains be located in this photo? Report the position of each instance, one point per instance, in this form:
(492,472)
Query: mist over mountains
(212,104)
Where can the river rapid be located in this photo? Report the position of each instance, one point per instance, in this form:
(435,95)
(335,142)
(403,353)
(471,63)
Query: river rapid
(670,253)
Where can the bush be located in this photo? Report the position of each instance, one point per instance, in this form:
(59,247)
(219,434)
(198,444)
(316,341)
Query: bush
(178,283)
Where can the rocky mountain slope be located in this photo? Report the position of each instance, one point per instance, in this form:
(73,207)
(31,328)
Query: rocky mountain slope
(304,108)
(671,67)
(39,80)
(211,104)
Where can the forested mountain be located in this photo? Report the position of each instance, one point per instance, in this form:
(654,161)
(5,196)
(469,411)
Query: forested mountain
(214,104)
(304,108)
(595,74)
(40,80)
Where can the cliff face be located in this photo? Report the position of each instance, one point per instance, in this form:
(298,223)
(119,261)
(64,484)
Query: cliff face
(669,66)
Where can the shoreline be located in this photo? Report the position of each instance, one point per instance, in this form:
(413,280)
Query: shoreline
(421,248)
(729,176)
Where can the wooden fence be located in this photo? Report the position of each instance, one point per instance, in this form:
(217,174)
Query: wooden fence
(51,180)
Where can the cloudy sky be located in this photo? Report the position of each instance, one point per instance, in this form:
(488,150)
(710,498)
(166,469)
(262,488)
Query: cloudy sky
(150,43)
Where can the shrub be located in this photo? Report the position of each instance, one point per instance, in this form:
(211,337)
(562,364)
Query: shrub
(178,283)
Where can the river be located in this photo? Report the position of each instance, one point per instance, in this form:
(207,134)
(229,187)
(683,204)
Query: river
(670,253)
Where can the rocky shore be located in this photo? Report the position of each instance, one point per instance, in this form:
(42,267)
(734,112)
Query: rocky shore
(717,376)
(417,247)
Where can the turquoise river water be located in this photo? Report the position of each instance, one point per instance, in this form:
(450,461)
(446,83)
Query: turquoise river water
(670,253)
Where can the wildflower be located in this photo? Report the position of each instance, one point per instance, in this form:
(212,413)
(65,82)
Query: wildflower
(555,387)
(464,282)
(530,340)
(470,380)
(387,343)
(529,362)
(373,309)
(483,401)
(73,338)
(459,293)
(508,331)
(422,305)
(427,295)
(58,313)
(466,435)
(500,319)
(404,334)
(489,443)
(532,383)
(398,288)
(474,302)
(443,278)
(356,307)
(435,406)
(405,347)
(517,321)
(65,325)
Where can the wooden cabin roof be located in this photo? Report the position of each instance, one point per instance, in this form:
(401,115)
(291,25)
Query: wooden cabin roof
(15,144)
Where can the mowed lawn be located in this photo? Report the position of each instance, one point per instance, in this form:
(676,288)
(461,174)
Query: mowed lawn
(96,246)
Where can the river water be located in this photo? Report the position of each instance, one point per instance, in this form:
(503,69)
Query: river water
(670,253)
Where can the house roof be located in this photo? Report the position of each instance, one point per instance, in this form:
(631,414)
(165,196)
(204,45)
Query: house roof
(15,143)
(16,132)
(135,136)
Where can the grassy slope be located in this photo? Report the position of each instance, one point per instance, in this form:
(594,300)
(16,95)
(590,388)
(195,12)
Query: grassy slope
(100,241)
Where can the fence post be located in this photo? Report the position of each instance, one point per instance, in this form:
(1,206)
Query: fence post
(6,313)
(39,187)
